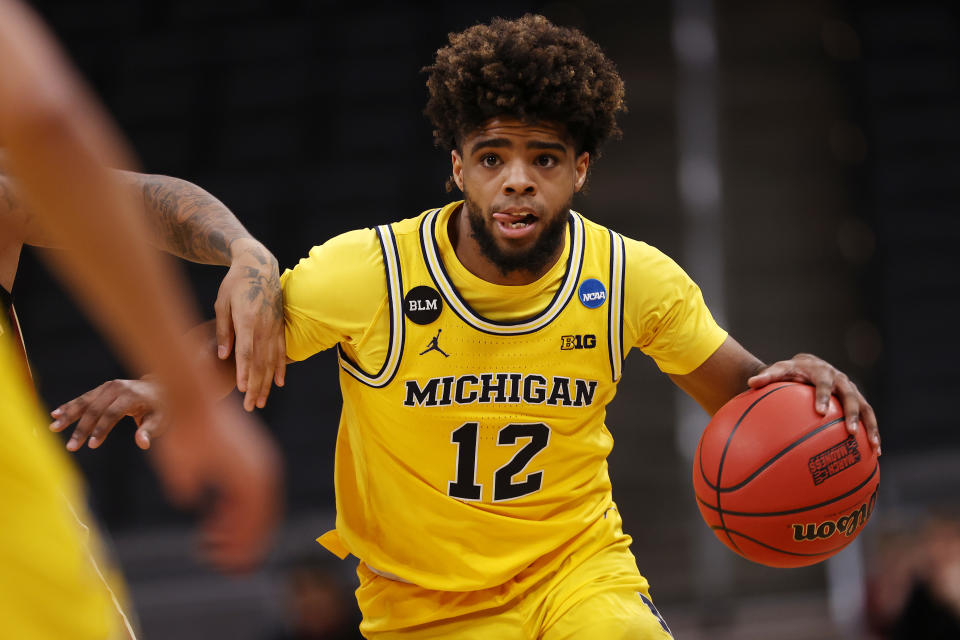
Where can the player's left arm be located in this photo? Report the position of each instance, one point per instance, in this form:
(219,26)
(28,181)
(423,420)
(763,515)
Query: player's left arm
(188,222)
(732,369)
(192,224)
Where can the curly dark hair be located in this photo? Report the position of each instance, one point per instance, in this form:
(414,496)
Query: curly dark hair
(529,69)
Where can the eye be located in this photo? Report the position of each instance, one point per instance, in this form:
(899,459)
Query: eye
(489,160)
(545,160)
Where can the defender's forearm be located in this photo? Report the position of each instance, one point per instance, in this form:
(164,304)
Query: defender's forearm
(190,223)
(183,220)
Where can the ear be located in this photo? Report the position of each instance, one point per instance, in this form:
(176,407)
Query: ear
(457,163)
(581,166)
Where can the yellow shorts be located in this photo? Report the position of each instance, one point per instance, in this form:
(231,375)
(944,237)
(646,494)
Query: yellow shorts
(588,589)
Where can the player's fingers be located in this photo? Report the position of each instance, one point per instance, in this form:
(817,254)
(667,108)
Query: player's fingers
(254,385)
(244,355)
(91,415)
(266,373)
(783,370)
(224,326)
(824,380)
(109,417)
(260,372)
(69,412)
(266,382)
(252,393)
(142,438)
(279,376)
(255,391)
(851,401)
(148,427)
(869,420)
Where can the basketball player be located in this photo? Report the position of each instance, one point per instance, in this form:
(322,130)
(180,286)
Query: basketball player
(479,344)
(57,142)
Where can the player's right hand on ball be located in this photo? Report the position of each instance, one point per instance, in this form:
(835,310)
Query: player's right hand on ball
(225,454)
(97,412)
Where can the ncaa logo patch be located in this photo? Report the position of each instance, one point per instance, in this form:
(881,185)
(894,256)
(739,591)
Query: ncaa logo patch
(592,293)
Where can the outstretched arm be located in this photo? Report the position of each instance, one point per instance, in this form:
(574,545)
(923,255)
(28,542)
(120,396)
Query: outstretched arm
(57,142)
(188,222)
(183,219)
(732,369)
(98,411)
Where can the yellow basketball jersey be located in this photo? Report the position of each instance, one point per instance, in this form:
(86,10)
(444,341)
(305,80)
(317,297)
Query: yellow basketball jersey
(479,446)
(48,586)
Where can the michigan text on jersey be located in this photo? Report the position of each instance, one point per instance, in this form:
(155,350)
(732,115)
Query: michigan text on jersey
(505,388)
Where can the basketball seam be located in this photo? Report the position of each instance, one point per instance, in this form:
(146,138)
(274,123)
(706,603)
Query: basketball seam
(775,457)
(873,473)
(724,455)
(783,551)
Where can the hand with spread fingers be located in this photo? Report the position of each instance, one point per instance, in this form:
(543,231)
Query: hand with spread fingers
(98,411)
(220,448)
(249,311)
(828,381)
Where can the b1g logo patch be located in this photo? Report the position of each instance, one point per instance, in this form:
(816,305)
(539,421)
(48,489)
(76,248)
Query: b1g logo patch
(422,305)
(586,341)
(834,460)
(592,293)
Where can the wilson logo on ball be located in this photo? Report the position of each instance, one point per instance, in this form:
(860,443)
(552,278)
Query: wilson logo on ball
(847,525)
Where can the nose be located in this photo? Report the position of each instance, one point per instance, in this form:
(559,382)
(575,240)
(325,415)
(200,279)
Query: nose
(519,179)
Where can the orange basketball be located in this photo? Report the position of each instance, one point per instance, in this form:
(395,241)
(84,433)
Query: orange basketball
(780,484)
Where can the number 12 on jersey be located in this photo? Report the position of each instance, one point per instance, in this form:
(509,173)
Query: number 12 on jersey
(467,436)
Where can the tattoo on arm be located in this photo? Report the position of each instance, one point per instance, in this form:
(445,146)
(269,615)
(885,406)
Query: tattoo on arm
(184,220)
(189,222)
(260,287)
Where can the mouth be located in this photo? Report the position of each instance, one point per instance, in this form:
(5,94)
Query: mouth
(515,221)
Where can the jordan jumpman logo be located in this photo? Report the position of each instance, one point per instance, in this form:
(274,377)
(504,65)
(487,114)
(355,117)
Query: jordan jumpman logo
(433,346)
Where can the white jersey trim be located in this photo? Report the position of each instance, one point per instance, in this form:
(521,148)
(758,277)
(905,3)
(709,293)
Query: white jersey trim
(451,296)
(391,264)
(615,307)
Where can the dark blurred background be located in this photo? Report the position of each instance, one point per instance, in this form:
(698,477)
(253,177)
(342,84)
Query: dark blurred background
(831,175)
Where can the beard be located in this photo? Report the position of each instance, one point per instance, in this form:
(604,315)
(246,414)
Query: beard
(533,260)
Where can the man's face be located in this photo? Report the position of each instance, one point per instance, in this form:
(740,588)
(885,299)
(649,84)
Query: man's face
(518,181)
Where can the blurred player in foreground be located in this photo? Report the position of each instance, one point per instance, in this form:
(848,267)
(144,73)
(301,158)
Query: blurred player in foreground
(57,142)
(479,345)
